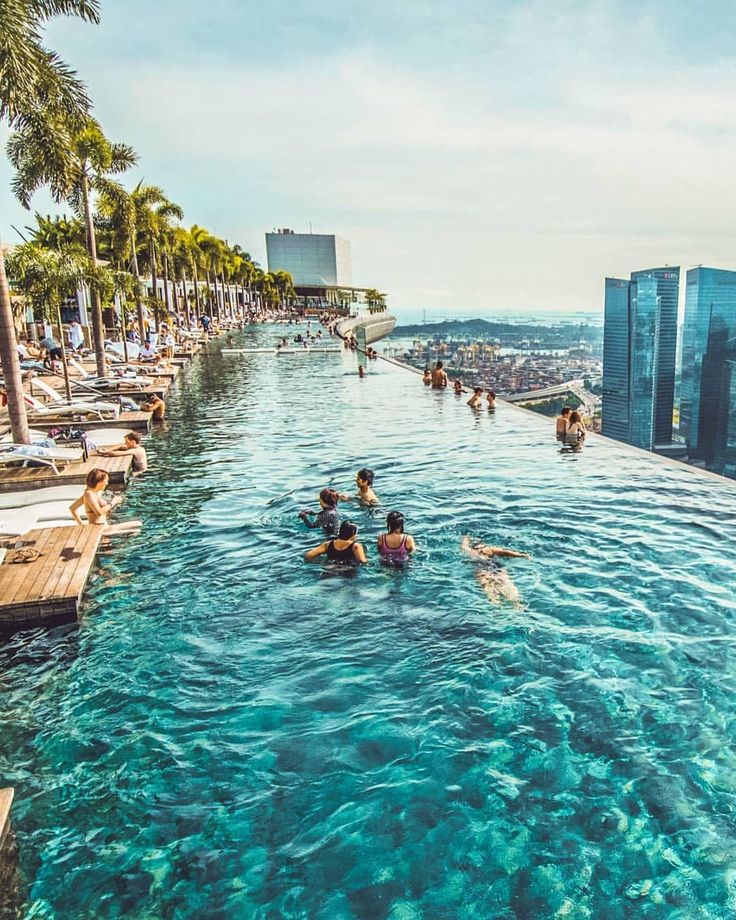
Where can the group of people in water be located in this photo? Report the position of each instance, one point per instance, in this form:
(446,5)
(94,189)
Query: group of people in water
(395,547)
(569,429)
(437,379)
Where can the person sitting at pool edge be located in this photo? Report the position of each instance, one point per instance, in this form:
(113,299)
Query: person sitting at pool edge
(395,546)
(561,426)
(131,447)
(344,549)
(439,377)
(366,495)
(328,517)
(97,508)
(157,406)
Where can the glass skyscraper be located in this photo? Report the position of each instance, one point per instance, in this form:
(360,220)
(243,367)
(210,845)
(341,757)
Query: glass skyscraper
(639,348)
(707,350)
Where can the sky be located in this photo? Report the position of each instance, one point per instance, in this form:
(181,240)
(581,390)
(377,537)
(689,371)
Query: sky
(481,156)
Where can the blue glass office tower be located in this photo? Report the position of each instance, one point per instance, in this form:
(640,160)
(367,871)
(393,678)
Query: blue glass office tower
(707,349)
(668,291)
(639,347)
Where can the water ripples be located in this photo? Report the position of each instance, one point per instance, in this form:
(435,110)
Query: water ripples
(232,732)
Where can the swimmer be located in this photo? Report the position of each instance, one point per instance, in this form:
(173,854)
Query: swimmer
(491,399)
(561,425)
(327,518)
(575,431)
(427,378)
(439,377)
(366,495)
(458,387)
(156,406)
(361,371)
(97,508)
(230,341)
(344,549)
(395,546)
(493,579)
(475,400)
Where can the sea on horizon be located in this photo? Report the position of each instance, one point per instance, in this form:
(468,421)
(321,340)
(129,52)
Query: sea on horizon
(409,316)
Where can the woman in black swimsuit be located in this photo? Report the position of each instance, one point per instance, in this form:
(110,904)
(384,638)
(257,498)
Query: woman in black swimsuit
(342,549)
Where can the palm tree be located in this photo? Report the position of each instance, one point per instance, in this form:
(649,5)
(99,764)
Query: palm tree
(83,168)
(32,78)
(48,277)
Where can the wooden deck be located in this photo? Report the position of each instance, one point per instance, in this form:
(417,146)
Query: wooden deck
(135,421)
(47,591)
(6,800)
(21,478)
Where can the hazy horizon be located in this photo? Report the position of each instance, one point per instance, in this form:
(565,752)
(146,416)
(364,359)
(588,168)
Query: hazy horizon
(475,156)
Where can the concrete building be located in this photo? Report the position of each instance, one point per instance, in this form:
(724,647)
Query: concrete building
(639,349)
(320,265)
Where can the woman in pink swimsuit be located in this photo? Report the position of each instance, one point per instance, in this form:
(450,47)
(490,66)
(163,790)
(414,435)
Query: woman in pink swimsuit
(395,546)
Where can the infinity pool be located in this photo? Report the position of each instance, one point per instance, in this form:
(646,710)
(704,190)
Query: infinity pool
(231,732)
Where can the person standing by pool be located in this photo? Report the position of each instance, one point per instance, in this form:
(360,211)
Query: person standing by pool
(328,517)
(492,577)
(343,549)
(395,546)
(439,377)
(475,400)
(427,377)
(561,426)
(97,508)
(157,406)
(76,336)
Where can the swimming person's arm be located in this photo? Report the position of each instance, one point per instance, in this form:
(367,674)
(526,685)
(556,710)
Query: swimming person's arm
(306,517)
(409,544)
(359,553)
(507,553)
(317,551)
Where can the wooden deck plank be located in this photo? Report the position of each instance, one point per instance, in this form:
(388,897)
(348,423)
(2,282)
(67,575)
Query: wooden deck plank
(6,800)
(59,580)
(21,478)
(53,540)
(50,588)
(135,421)
(13,580)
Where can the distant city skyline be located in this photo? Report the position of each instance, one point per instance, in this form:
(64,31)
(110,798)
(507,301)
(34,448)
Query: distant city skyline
(481,157)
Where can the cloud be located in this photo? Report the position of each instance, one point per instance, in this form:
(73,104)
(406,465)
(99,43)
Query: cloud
(495,155)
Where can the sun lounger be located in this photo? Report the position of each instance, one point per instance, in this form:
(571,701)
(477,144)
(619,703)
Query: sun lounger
(47,456)
(13,500)
(17,521)
(59,406)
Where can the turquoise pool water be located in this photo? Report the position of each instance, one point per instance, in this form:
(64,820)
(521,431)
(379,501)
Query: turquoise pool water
(233,733)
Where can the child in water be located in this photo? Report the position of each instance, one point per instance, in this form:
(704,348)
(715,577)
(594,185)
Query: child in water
(327,517)
(492,577)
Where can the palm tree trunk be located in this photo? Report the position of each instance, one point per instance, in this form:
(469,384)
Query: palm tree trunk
(187,305)
(97,330)
(196,293)
(167,295)
(138,298)
(154,282)
(10,363)
(67,384)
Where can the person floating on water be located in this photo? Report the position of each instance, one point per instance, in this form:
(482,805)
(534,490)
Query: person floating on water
(395,546)
(366,496)
(328,517)
(492,577)
(344,549)
(427,377)
(475,400)
(439,377)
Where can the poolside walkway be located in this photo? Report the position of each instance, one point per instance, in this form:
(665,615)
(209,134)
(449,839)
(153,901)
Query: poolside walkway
(47,591)
(23,478)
